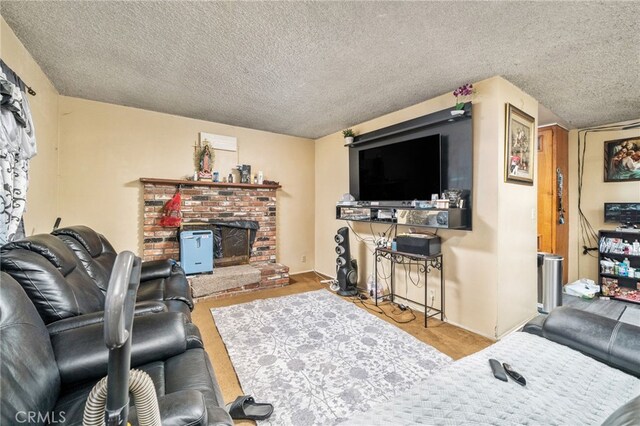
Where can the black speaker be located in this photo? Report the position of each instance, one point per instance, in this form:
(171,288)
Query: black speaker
(346,268)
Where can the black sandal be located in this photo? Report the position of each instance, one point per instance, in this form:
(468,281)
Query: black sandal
(245,407)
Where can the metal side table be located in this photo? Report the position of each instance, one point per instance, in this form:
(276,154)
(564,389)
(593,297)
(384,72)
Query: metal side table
(425,265)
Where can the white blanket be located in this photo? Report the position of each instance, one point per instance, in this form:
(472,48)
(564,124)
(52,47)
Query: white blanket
(563,387)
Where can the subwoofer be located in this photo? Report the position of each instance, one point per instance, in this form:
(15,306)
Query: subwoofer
(346,268)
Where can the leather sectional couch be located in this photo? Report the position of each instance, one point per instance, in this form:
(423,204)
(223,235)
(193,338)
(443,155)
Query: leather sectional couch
(52,336)
(52,374)
(61,286)
(161,280)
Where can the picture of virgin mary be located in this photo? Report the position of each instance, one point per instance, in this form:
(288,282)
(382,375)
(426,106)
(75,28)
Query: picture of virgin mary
(206,163)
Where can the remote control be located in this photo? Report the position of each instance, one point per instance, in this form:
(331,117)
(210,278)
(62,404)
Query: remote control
(498,371)
(514,375)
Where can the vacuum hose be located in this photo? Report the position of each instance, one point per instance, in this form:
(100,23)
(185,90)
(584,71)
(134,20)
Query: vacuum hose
(144,397)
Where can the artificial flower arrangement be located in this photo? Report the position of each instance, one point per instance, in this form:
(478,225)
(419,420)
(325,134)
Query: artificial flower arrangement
(461,94)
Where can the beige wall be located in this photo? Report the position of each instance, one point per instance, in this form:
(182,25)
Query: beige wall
(595,192)
(105,149)
(41,197)
(517,227)
(490,272)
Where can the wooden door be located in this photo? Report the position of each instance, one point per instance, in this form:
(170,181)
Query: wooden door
(546,181)
(553,196)
(561,153)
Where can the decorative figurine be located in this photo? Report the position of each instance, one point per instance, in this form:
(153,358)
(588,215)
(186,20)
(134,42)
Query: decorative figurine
(206,163)
(245,173)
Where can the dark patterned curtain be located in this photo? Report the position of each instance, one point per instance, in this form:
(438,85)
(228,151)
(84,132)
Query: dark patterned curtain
(17,147)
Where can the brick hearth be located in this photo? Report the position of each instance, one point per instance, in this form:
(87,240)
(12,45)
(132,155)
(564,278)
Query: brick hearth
(204,201)
(271,275)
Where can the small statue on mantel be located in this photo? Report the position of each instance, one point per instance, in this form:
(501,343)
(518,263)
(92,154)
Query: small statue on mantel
(205,162)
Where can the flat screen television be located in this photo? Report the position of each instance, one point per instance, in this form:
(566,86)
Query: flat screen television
(407,170)
(622,213)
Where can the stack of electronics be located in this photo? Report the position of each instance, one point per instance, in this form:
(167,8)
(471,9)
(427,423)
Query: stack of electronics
(354,213)
(452,218)
(421,244)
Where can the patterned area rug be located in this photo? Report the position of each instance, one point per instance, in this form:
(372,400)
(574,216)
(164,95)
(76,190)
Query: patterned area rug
(319,359)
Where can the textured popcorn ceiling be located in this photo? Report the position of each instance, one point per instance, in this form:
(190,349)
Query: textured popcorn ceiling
(310,69)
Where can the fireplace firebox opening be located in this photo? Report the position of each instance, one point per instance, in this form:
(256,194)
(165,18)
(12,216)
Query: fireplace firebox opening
(232,240)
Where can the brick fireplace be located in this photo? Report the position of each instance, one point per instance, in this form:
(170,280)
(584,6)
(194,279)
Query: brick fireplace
(215,202)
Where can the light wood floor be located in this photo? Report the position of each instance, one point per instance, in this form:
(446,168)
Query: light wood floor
(447,338)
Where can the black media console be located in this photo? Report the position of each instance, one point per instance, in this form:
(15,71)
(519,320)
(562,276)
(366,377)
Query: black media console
(413,160)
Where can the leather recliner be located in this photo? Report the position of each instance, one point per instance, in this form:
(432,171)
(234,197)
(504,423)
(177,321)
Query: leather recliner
(160,280)
(46,379)
(59,286)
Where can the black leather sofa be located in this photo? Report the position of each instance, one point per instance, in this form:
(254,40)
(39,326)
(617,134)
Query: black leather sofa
(46,378)
(611,342)
(161,280)
(60,287)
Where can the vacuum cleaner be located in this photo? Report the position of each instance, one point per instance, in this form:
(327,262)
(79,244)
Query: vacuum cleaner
(108,402)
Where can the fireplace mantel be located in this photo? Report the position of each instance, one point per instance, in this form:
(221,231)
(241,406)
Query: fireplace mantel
(159,181)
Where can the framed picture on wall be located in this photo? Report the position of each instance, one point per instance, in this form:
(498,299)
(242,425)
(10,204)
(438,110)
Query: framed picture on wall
(520,146)
(622,160)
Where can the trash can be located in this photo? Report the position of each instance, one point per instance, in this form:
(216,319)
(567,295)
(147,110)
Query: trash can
(549,281)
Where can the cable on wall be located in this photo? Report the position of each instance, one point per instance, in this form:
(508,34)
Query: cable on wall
(362,239)
(587,234)
(375,241)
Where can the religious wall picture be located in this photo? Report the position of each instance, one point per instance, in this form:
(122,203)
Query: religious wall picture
(520,148)
(622,160)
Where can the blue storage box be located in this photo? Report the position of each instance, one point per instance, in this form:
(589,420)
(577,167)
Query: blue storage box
(196,251)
